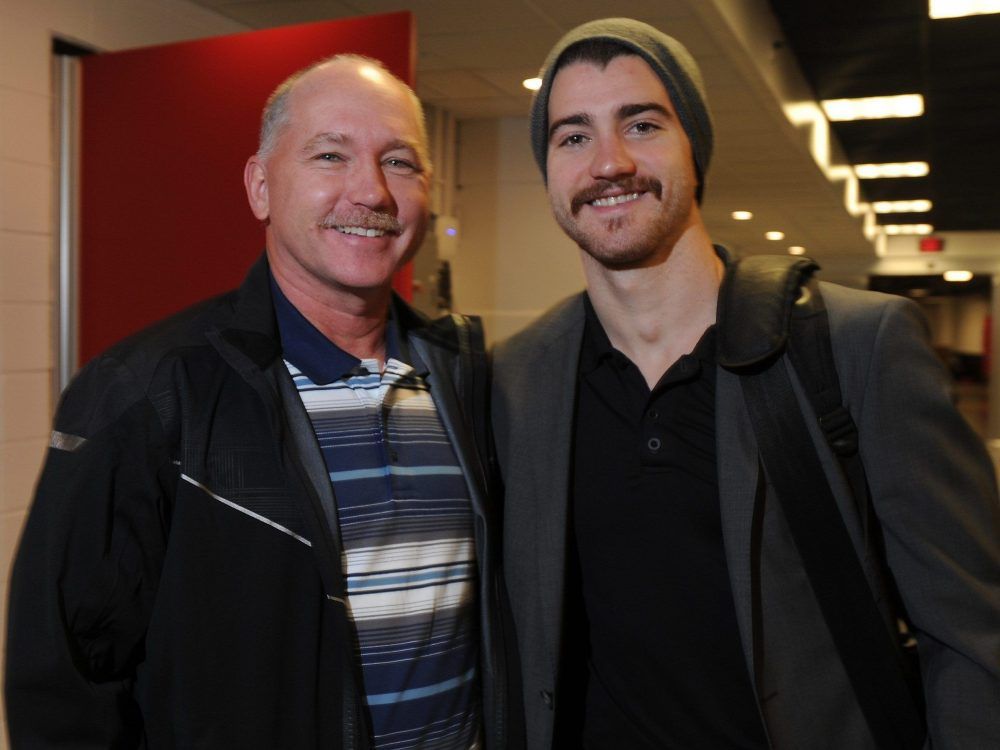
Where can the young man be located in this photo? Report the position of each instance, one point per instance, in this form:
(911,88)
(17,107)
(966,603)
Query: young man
(658,597)
(262,523)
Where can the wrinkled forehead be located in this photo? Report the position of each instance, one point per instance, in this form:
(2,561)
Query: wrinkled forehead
(345,93)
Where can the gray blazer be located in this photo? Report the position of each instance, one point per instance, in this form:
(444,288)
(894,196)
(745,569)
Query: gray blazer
(933,490)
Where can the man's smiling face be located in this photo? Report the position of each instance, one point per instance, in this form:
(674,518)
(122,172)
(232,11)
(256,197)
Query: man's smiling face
(344,191)
(621,176)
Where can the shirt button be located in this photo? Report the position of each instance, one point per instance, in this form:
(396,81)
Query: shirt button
(653,444)
(654,414)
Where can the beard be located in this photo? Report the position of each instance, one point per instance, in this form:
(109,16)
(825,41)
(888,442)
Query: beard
(635,239)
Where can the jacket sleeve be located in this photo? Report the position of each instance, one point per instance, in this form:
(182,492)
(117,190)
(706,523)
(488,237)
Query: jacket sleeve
(934,491)
(86,569)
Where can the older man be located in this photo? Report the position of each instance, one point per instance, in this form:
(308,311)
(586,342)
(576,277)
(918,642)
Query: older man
(659,598)
(263,522)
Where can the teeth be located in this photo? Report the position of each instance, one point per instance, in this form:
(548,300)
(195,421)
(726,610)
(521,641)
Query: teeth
(361,231)
(614,200)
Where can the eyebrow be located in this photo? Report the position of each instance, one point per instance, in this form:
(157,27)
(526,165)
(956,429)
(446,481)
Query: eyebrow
(624,112)
(323,138)
(577,119)
(631,110)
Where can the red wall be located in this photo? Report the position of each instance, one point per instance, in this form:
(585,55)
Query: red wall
(164,220)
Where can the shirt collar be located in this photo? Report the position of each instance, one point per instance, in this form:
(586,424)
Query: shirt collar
(597,347)
(322,361)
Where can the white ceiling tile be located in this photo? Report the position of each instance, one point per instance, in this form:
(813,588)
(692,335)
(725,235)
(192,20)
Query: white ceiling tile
(261,14)
(459,84)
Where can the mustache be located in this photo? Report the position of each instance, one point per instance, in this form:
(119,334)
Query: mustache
(361,218)
(628,185)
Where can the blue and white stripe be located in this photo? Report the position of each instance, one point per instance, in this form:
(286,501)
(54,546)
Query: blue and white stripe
(406,524)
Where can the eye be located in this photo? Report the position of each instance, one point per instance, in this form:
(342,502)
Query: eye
(329,156)
(644,127)
(575,139)
(398,165)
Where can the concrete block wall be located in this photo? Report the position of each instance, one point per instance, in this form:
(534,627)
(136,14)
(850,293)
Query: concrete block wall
(27,192)
(513,260)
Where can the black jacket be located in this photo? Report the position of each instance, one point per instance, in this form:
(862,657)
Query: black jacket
(177,584)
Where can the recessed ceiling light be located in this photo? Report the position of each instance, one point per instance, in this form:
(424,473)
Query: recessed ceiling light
(892,169)
(742,215)
(796,250)
(774,235)
(959,8)
(902,207)
(874,107)
(907,228)
(532,84)
(958,275)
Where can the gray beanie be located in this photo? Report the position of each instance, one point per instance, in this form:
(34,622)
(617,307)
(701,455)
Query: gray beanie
(669,60)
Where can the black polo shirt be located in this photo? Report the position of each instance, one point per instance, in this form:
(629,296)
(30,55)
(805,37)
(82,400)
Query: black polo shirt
(656,614)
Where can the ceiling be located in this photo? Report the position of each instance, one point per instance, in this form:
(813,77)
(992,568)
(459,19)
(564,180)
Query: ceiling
(473,55)
(856,48)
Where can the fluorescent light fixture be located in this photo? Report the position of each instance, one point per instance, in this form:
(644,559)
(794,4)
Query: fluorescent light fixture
(902,207)
(874,107)
(892,169)
(532,84)
(907,228)
(774,235)
(742,215)
(796,250)
(958,275)
(959,8)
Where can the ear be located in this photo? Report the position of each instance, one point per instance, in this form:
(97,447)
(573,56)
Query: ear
(255,182)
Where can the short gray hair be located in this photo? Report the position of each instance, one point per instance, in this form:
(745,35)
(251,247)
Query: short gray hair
(276,115)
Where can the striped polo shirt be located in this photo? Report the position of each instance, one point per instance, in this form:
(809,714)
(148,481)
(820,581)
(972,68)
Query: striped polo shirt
(405,522)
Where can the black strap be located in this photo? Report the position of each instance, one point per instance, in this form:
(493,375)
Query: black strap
(811,353)
(863,639)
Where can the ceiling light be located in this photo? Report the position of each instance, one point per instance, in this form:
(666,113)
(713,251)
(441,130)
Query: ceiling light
(796,250)
(742,215)
(775,235)
(892,169)
(959,8)
(907,228)
(902,207)
(874,107)
(958,275)
(532,84)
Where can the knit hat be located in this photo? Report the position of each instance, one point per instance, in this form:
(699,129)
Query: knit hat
(669,60)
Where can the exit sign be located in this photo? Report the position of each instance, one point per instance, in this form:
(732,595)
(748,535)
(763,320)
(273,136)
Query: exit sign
(931,244)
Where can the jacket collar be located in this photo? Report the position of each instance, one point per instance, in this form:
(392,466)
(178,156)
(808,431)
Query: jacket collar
(253,327)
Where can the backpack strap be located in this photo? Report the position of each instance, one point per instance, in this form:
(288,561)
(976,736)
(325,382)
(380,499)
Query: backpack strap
(765,290)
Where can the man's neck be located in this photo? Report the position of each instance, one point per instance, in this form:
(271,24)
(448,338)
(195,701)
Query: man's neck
(657,314)
(354,321)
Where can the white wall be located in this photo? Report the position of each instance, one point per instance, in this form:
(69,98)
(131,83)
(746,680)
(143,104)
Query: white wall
(27,188)
(513,260)
(958,323)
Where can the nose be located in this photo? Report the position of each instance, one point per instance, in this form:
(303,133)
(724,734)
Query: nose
(369,187)
(611,159)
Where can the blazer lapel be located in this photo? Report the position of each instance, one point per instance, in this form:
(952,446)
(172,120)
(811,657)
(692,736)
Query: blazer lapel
(537,475)
(739,479)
